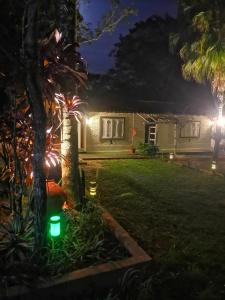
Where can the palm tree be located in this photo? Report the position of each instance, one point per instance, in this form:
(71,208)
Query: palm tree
(204,53)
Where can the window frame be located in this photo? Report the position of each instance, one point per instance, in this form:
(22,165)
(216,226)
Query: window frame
(190,136)
(148,126)
(111,138)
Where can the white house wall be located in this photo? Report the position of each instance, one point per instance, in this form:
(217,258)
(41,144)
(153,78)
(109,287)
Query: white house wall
(95,143)
(201,144)
(168,134)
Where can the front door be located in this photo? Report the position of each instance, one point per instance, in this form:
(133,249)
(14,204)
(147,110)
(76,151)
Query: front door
(150,133)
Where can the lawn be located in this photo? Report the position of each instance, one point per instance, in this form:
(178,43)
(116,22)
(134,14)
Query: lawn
(176,214)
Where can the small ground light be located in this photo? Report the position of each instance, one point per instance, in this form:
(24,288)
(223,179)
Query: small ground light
(54,226)
(171,156)
(213,166)
(93,188)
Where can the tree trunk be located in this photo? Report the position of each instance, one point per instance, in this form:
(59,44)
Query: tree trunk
(69,149)
(33,84)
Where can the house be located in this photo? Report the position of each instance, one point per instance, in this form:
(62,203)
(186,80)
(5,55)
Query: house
(122,131)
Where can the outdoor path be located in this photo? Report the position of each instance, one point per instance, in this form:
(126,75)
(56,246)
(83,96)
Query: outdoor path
(109,155)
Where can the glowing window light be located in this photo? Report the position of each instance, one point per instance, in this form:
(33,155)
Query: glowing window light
(93,188)
(213,166)
(171,156)
(54,226)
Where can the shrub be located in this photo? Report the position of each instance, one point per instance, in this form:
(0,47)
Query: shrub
(81,241)
(17,240)
(148,149)
(16,246)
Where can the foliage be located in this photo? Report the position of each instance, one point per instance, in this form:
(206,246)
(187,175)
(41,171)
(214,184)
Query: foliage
(84,241)
(17,240)
(16,250)
(203,52)
(148,149)
(40,65)
(108,23)
(166,224)
(147,73)
(17,133)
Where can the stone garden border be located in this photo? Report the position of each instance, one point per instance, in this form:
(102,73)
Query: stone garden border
(87,280)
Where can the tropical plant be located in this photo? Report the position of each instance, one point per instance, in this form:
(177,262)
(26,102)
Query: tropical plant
(40,66)
(148,149)
(203,51)
(82,240)
(147,73)
(16,244)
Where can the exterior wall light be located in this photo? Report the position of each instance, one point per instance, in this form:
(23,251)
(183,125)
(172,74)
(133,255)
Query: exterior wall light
(211,123)
(54,226)
(171,156)
(93,188)
(213,166)
(88,121)
(221,121)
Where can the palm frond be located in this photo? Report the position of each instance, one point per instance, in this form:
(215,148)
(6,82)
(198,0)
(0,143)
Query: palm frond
(202,20)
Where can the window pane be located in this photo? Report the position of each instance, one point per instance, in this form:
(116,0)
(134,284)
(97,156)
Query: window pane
(190,129)
(112,128)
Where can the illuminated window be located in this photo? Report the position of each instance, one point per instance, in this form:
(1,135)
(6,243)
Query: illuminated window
(190,129)
(112,128)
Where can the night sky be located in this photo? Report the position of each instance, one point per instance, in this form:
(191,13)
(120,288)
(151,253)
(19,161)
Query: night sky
(97,53)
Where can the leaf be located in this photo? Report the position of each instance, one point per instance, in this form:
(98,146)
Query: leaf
(58,35)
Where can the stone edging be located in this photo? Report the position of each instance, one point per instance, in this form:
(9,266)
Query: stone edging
(76,283)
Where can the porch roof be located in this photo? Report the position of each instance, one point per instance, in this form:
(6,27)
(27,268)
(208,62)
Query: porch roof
(168,109)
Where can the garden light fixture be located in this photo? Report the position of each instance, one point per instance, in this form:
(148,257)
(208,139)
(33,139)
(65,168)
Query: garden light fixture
(171,156)
(213,166)
(93,188)
(88,121)
(54,226)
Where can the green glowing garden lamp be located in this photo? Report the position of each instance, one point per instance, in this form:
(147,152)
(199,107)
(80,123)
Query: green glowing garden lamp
(54,226)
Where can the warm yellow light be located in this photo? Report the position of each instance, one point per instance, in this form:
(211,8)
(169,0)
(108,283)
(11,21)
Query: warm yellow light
(92,193)
(210,122)
(88,121)
(171,156)
(221,121)
(93,188)
(213,166)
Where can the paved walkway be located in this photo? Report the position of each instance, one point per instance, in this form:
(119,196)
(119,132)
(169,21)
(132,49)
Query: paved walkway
(110,155)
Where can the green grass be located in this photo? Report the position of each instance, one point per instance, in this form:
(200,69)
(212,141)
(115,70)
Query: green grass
(176,214)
